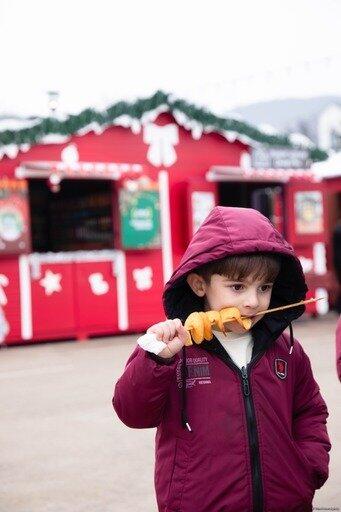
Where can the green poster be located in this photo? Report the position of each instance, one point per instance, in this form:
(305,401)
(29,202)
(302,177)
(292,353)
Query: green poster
(140,219)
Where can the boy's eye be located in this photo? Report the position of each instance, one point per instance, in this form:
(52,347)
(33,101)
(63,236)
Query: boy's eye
(265,287)
(237,287)
(240,287)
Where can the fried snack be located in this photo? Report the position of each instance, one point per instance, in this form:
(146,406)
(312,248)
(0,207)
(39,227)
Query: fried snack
(195,325)
(231,314)
(199,324)
(207,326)
(215,319)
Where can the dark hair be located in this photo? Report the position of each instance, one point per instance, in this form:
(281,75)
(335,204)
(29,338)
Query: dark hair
(238,267)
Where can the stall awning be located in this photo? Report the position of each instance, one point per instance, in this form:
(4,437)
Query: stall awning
(78,170)
(231,173)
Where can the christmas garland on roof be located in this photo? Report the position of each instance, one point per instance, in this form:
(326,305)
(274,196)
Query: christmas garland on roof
(70,126)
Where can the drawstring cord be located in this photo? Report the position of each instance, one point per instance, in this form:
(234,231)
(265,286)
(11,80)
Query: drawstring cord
(291,338)
(184,418)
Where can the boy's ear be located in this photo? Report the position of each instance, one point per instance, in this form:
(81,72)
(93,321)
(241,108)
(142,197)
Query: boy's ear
(197,284)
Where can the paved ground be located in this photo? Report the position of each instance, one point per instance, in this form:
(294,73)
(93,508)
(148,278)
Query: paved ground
(63,449)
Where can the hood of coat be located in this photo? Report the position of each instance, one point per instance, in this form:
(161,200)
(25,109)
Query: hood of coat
(231,231)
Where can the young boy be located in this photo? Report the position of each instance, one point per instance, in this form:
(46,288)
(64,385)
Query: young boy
(241,425)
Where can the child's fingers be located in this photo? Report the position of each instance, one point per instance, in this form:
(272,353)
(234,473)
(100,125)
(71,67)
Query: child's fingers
(157,330)
(172,328)
(162,331)
(166,336)
(168,330)
(177,341)
(182,333)
(177,323)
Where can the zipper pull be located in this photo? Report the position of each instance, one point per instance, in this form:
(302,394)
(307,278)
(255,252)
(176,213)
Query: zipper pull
(246,387)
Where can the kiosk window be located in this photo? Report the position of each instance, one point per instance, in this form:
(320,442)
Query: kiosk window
(78,217)
(251,195)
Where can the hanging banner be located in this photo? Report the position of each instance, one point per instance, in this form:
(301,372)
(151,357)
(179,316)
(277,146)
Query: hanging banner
(140,216)
(14,217)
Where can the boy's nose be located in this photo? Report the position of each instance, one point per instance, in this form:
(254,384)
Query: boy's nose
(251,301)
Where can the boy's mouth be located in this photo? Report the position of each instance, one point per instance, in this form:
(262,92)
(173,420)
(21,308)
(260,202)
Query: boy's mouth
(251,317)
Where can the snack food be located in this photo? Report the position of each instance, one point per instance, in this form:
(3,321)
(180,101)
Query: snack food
(199,324)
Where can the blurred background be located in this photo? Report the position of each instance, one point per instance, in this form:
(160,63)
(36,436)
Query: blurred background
(122,124)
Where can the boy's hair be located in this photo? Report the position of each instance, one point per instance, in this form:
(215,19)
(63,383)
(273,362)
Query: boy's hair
(238,267)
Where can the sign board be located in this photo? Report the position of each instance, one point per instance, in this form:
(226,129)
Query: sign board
(280,158)
(140,218)
(14,217)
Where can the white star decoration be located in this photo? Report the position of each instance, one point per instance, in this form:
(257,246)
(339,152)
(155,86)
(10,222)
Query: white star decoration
(51,282)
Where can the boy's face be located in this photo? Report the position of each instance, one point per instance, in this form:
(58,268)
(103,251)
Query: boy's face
(249,295)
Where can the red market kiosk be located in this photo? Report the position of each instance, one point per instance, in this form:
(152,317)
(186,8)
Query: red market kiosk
(93,221)
(328,172)
(296,201)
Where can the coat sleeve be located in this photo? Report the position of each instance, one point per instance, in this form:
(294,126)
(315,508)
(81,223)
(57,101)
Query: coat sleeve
(338,348)
(309,420)
(141,393)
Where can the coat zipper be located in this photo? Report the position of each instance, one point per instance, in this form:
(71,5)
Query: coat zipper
(257,489)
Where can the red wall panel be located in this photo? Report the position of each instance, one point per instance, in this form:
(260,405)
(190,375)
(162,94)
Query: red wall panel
(144,294)
(54,312)
(95,298)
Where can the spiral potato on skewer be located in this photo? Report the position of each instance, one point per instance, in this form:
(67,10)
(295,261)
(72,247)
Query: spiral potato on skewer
(199,324)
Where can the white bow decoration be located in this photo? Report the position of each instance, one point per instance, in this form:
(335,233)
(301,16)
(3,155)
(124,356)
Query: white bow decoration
(161,140)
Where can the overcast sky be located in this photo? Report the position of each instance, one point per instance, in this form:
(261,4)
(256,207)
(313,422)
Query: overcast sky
(216,53)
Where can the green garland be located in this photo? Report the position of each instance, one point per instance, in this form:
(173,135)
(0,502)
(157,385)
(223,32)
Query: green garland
(135,110)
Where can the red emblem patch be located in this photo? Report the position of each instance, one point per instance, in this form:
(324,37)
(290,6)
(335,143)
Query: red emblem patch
(281,368)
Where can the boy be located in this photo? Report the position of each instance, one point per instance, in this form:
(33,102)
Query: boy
(251,436)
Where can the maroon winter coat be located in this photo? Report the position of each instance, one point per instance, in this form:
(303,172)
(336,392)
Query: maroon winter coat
(258,441)
(338,348)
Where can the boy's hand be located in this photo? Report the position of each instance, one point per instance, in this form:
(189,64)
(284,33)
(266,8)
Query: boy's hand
(171,332)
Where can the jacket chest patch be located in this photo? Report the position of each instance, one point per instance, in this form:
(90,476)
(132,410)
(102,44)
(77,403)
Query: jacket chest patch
(198,372)
(281,368)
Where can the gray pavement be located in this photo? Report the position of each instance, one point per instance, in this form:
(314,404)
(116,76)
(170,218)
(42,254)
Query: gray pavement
(64,450)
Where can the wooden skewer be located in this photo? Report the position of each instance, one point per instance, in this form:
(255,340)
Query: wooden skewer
(302,302)
(287,307)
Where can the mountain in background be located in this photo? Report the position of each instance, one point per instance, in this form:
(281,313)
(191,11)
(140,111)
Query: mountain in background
(287,115)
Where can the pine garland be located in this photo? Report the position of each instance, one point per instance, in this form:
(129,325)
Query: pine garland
(136,110)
